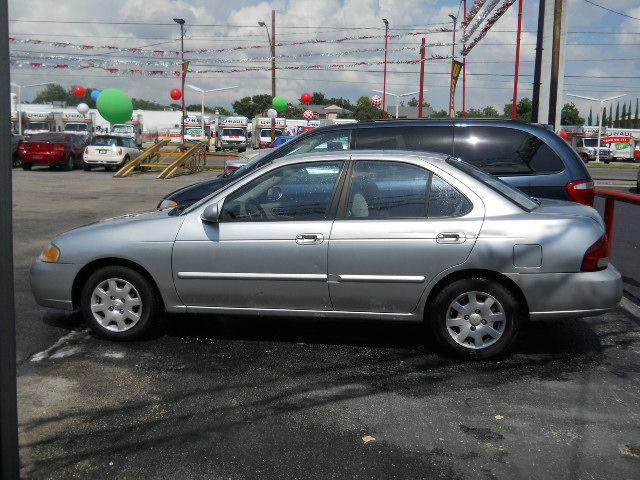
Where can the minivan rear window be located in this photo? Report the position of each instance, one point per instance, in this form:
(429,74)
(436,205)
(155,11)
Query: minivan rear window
(505,151)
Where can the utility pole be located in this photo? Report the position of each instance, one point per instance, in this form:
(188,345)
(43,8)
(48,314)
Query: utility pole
(384,79)
(452,114)
(464,64)
(423,49)
(516,75)
(273,69)
(555,61)
(9,461)
(535,102)
(180,21)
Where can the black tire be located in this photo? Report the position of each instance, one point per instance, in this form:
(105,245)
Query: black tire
(27,166)
(240,150)
(585,158)
(437,316)
(71,163)
(125,160)
(16,161)
(108,168)
(86,168)
(150,303)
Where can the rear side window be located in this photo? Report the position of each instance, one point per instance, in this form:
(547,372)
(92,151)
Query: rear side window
(400,190)
(426,139)
(505,151)
(337,140)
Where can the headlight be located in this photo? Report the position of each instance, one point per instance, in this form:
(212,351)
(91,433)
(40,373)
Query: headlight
(51,254)
(164,204)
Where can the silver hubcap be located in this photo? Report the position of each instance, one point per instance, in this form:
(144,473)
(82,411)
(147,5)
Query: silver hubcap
(116,305)
(475,320)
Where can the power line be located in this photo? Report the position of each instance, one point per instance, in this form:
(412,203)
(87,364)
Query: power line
(612,11)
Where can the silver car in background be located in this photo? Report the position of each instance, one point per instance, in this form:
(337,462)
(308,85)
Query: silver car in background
(370,234)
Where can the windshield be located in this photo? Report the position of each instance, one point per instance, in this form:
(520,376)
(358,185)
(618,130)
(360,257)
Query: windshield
(122,129)
(106,141)
(591,142)
(266,133)
(49,137)
(236,132)
(75,127)
(38,126)
(195,132)
(516,196)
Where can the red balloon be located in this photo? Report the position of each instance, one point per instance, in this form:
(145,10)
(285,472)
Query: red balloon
(176,94)
(564,135)
(306,98)
(79,91)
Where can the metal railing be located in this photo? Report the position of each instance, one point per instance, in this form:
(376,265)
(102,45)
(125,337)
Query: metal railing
(610,197)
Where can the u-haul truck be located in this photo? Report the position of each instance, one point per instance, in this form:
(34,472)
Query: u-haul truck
(38,122)
(193,128)
(262,131)
(79,124)
(132,129)
(231,134)
(622,142)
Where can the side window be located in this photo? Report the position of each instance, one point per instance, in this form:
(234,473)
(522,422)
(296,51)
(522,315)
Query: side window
(328,141)
(505,151)
(427,138)
(400,190)
(293,192)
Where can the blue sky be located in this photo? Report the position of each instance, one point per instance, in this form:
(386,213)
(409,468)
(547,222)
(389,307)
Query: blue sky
(599,53)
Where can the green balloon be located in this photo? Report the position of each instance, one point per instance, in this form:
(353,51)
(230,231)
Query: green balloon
(114,105)
(279,103)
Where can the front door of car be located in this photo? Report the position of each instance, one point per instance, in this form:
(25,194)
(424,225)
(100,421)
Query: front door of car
(269,247)
(399,226)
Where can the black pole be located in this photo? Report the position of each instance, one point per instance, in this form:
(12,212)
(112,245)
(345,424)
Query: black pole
(555,62)
(9,461)
(535,102)
(184,74)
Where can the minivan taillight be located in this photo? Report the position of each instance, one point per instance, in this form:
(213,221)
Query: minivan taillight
(581,191)
(597,256)
(86,150)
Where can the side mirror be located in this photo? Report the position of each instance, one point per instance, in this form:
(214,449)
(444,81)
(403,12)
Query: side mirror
(211,214)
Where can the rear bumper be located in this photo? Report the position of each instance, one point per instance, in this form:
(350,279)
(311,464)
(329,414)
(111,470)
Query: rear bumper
(102,159)
(552,296)
(51,283)
(43,159)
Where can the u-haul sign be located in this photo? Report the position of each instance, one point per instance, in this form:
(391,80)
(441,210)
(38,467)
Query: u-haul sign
(234,122)
(264,122)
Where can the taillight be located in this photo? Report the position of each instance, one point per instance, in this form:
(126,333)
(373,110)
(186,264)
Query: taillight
(597,256)
(119,151)
(581,191)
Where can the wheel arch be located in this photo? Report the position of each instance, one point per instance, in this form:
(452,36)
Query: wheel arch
(91,267)
(503,280)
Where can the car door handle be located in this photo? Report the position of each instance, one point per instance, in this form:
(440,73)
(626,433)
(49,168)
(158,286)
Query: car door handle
(451,237)
(309,238)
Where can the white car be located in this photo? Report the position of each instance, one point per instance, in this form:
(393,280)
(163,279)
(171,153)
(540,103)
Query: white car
(109,151)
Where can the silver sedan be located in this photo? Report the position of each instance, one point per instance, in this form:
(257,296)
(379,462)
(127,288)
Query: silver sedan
(372,235)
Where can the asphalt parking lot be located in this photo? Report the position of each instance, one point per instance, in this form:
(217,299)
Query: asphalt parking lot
(244,398)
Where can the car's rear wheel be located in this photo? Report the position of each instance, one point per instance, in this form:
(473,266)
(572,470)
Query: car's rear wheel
(119,303)
(16,160)
(27,166)
(71,162)
(475,318)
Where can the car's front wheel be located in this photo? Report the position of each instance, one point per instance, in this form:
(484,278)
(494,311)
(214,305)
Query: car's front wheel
(27,166)
(119,303)
(475,318)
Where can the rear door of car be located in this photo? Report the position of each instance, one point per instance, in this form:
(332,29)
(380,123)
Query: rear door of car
(398,226)
(518,157)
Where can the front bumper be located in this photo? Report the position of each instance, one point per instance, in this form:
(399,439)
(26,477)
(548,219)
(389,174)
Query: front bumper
(553,296)
(51,283)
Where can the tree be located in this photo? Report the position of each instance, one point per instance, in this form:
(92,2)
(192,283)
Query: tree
(440,114)
(413,102)
(590,119)
(252,106)
(341,102)
(525,108)
(365,111)
(490,112)
(53,93)
(318,98)
(636,120)
(293,111)
(623,119)
(610,120)
(616,122)
(597,119)
(604,116)
(570,115)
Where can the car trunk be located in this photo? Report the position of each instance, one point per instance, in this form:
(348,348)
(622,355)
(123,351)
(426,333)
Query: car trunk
(42,147)
(572,209)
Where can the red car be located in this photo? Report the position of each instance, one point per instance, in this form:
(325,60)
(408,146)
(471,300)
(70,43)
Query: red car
(52,149)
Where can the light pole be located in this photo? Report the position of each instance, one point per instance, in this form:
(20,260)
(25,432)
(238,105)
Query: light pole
(384,79)
(602,101)
(180,21)
(453,58)
(20,87)
(272,43)
(202,92)
(397,95)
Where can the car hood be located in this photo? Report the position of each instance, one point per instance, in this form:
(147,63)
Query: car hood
(565,208)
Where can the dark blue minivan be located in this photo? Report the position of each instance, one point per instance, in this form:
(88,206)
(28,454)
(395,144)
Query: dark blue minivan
(527,156)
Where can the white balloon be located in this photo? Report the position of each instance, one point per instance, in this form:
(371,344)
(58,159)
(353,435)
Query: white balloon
(83,108)
(271,113)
